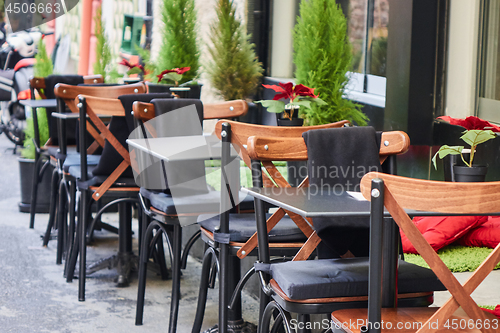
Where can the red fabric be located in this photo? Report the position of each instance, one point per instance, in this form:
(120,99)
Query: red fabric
(496,312)
(485,235)
(440,231)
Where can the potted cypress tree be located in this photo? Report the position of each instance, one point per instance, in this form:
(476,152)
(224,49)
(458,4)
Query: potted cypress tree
(179,49)
(233,69)
(43,67)
(322,56)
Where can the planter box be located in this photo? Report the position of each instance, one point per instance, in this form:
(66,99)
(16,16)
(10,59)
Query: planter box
(26,177)
(191,91)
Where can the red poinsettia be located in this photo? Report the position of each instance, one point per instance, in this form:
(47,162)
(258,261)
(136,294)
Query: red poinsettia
(174,75)
(471,123)
(299,95)
(131,67)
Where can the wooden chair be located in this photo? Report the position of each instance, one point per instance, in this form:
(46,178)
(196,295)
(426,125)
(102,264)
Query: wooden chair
(265,149)
(97,182)
(398,194)
(162,219)
(59,156)
(287,237)
(46,88)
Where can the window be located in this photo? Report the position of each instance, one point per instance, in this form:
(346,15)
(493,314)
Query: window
(489,82)
(368,22)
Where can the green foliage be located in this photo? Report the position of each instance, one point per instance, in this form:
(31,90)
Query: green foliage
(179,47)
(233,69)
(102,64)
(43,66)
(43,127)
(322,55)
(472,138)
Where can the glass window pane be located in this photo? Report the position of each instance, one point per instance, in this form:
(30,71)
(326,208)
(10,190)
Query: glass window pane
(357,30)
(377,38)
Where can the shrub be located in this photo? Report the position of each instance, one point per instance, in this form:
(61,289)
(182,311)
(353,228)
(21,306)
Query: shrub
(322,55)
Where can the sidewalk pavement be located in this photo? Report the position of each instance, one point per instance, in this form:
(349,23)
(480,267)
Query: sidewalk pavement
(34,296)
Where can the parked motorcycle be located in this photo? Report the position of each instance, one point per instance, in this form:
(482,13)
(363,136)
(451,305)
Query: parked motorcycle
(17,60)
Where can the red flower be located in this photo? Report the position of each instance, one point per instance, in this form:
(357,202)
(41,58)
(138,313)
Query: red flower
(289,91)
(179,71)
(471,123)
(129,65)
(302,90)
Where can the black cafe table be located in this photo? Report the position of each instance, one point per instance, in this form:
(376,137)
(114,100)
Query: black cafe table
(313,202)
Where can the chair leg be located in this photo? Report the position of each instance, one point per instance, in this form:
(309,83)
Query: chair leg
(34,191)
(159,255)
(189,244)
(82,226)
(143,267)
(176,278)
(282,321)
(53,204)
(72,248)
(209,257)
(61,216)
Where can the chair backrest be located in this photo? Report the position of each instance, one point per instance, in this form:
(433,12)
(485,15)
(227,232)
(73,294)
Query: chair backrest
(38,83)
(438,197)
(240,133)
(267,149)
(68,93)
(94,107)
(153,126)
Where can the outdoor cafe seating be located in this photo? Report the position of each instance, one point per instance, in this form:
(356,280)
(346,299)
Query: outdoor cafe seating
(303,225)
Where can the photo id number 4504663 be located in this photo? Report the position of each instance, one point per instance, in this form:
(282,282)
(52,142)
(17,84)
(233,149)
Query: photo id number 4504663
(25,8)
(463,324)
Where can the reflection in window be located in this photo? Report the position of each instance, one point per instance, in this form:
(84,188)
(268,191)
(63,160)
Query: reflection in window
(368,29)
(489,92)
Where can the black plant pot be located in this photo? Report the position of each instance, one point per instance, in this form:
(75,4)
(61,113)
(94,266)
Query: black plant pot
(26,177)
(288,122)
(297,171)
(470,174)
(191,91)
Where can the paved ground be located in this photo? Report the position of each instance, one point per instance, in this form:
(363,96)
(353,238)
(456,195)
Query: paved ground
(34,297)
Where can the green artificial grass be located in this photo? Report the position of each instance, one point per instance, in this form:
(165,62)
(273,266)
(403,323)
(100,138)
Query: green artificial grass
(212,169)
(457,258)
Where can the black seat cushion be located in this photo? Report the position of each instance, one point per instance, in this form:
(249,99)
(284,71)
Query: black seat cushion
(73,159)
(243,226)
(75,171)
(327,278)
(197,203)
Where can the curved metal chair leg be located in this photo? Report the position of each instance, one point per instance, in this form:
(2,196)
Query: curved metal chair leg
(159,255)
(71,243)
(269,312)
(187,248)
(61,217)
(208,265)
(52,208)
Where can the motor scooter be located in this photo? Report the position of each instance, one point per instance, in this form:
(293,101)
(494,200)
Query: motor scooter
(17,60)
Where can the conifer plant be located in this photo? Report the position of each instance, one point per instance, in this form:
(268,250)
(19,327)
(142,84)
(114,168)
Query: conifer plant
(322,56)
(43,67)
(103,56)
(233,69)
(179,46)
